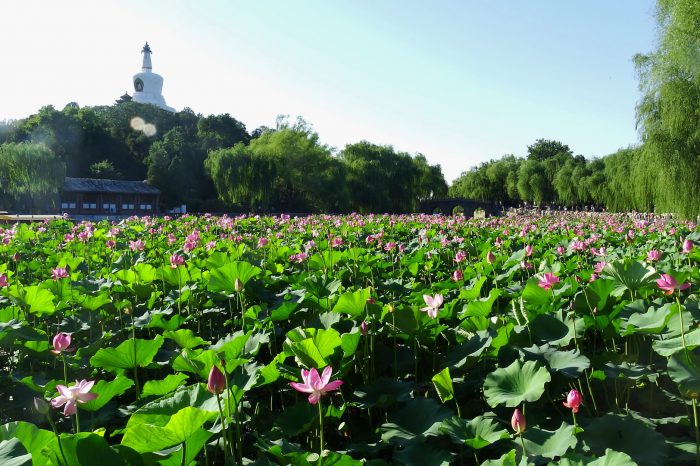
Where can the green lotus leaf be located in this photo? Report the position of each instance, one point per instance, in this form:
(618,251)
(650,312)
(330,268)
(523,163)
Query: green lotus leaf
(477,433)
(163,387)
(352,303)
(81,449)
(382,393)
(419,419)
(129,354)
(106,391)
(182,425)
(422,455)
(629,275)
(443,384)
(30,436)
(671,346)
(39,300)
(12,453)
(685,371)
(549,444)
(471,348)
(625,434)
(298,418)
(516,384)
(508,459)
(184,338)
(535,295)
(224,278)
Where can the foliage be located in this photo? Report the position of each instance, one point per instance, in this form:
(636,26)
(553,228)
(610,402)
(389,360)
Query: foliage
(345,293)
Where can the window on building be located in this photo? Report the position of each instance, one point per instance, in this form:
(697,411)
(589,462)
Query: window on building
(128,206)
(145,207)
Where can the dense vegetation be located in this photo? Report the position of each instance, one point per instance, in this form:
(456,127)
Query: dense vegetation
(415,340)
(209,163)
(662,174)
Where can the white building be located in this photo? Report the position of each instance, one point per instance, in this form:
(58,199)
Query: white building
(148,86)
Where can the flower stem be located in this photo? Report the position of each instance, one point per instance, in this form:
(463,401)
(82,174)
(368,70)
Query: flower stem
(184,454)
(680,315)
(320,422)
(697,432)
(223,427)
(77,421)
(65,370)
(58,437)
(522,443)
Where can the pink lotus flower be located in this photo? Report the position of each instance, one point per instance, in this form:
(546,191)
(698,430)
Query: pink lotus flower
(599,266)
(3,280)
(547,281)
(262,242)
(687,246)
(573,400)
(460,256)
(653,255)
(71,396)
(110,243)
(316,385)
(433,304)
(337,241)
(216,382)
(668,284)
(59,273)
(176,260)
(528,250)
(137,245)
(517,422)
(561,250)
(526,265)
(61,343)
(457,275)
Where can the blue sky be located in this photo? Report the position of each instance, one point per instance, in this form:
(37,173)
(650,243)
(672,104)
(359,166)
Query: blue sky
(459,81)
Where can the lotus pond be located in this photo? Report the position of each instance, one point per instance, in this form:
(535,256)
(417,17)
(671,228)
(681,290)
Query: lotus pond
(416,340)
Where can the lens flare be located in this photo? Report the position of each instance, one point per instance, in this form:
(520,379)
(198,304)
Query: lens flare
(149,129)
(137,124)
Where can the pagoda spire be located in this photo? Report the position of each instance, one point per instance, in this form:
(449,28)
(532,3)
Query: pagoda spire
(146,51)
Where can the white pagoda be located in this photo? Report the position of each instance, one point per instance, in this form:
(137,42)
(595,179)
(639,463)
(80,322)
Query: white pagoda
(148,86)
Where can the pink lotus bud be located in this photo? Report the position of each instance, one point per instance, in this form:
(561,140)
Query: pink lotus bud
(528,250)
(687,246)
(518,422)
(3,280)
(216,382)
(364,328)
(61,342)
(560,250)
(457,275)
(490,257)
(573,400)
(16,257)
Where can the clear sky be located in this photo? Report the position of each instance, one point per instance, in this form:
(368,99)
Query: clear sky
(461,81)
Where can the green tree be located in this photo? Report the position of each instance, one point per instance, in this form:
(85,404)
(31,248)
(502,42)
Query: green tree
(30,177)
(669,111)
(544,149)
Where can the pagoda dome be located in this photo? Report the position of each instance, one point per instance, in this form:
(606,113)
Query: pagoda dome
(148,86)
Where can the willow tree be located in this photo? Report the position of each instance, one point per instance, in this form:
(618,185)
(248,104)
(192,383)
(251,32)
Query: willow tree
(669,111)
(30,177)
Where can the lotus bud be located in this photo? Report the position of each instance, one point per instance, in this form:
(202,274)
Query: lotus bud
(238,285)
(41,406)
(216,382)
(518,422)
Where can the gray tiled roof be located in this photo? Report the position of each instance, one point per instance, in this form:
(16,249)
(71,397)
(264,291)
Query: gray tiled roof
(94,185)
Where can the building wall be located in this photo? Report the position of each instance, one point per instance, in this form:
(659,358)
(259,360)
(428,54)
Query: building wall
(87,203)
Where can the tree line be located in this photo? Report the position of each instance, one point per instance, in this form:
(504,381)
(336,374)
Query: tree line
(551,174)
(210,163)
